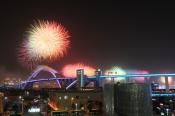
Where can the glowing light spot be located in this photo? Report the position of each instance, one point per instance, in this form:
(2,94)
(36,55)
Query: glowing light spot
(115,71)
(162,80)
(53,105)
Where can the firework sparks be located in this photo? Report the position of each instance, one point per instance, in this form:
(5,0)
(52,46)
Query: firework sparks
(70,70)
(53,105)
(45,41)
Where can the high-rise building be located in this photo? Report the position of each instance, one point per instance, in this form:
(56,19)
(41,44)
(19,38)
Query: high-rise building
(80,78)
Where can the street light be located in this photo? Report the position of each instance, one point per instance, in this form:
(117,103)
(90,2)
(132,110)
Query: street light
(22,104)
(20,97)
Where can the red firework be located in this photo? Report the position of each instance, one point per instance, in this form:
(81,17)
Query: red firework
(70,70)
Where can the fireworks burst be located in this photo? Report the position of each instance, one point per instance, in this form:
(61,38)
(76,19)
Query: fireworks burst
(45,41)
(70,70)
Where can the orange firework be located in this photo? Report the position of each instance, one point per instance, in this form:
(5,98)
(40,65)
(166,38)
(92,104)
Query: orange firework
(45,41)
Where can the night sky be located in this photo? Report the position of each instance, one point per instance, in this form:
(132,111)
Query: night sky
(130,35)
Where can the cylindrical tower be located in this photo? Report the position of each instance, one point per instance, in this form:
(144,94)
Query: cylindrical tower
(133,99)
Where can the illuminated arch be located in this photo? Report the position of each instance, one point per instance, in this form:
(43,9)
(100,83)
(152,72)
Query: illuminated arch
(42,68)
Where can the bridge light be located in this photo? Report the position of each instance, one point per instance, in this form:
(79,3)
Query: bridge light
(98,73)
(65,97)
